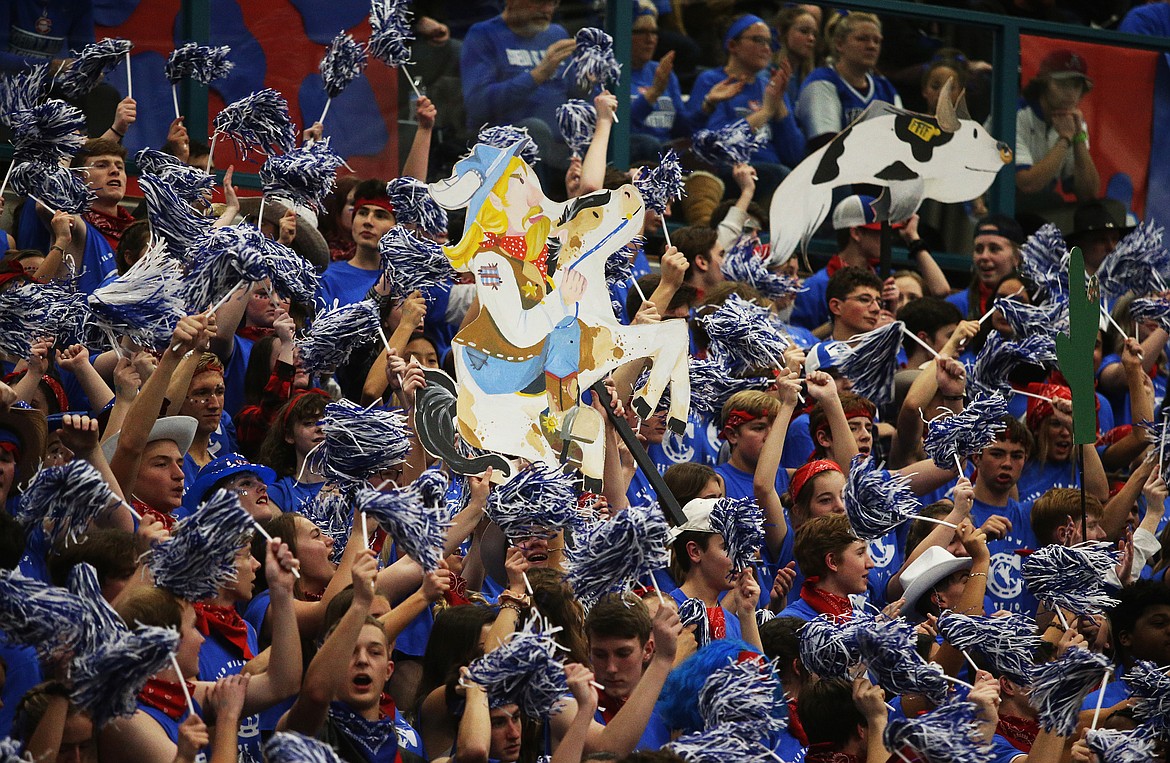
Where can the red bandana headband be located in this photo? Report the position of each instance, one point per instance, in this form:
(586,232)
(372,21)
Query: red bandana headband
(804,474)
(297,396)
(734,419)
(377,201)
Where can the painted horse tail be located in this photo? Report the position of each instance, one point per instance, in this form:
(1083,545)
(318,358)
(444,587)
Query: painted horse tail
(434,419)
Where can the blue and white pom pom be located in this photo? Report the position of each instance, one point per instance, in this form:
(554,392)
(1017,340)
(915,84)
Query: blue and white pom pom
(291,747)
(201,63)
(619,267)
(1138,265)
(951,733)
(538,500)
(390,34)
(1153,309)
(220,261)
(1059,688)
(171,218)
(873,361)
(359,442)
(719,383)
(1026,320)
(743,692)
(876,500)
(106,623)
(344,60)
(335,334)
(412,263)
(258,122)
(10,752)
(743,336)
(412,517)
(506,136)
(614,556)
(1072,578)
(741,523)
(730,145)
(1007,643)
(293,277)
(694,612)
(593,62)
(524,671)
(91,65)
(719,745)
(742,263)
(888,649)
(1000,356)
(828,647)
(304,175)
(1133,746)
(414,205)
(1149,688)
(663,184)
(25,311)
(1044,261)
(48,132)
(106,682)
(45,617)
(332,512)
(21,90)
(192,184)
(200,556)
(145,303)
(952,436)
(65,499)
(577,119)
(53,185)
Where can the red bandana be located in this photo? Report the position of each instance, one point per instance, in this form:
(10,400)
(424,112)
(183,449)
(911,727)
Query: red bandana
(716,622)
(822,601)
(1021,732)
(381,203)
(148,511)
(225,621)
(805,473)
(608,706)
(515,247)
(255,333)
(735,419)
(456,595)
(166,696)
(817,755)
(795,727)
(110,226)
(11,271)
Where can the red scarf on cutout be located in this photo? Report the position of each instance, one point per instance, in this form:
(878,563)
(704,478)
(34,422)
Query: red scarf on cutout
(165,696)
(823,602)
(225,621)
(1021,732)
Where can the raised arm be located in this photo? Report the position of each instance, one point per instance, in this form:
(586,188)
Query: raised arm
(764,478)
(75,360)
(823,389)
(329,667)
(593,165)
(283,677)
(420,148)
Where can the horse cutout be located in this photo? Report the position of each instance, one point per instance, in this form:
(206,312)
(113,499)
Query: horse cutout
(948,157)
(544,332)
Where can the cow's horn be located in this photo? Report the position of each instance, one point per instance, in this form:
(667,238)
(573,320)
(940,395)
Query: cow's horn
(961,106)
(945,113)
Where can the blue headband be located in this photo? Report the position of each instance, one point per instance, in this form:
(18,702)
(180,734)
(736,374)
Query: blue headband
(738,28)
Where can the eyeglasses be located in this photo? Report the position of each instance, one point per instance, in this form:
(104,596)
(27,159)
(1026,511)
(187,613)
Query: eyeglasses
(865,300)
(203,396)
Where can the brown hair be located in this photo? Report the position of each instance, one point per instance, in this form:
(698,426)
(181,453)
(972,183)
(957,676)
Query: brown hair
(750,401)
(1056,507)
(854,406)
(98,147)
(687,480)
(619,616)
(820,537)
(554,598)
(277,453)
(680,562)
(147,605)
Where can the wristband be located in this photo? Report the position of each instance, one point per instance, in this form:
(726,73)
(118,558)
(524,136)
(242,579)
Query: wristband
(519,612)
(917,247)
(1068,141)
(115,131)
(977,575)
(1081,137)
(54,246)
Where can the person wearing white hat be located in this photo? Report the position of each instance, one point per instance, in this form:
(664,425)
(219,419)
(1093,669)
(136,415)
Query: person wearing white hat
(702,569)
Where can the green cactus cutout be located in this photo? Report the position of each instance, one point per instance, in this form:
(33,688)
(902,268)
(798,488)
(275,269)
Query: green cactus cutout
(1074,351)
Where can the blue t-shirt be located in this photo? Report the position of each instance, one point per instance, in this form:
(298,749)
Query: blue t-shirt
(664,119)
(497,86)
(798,443)
(1003,751)
(887,553)
(290,495)
(233,374)
(97,259)
(824,83)
(738,484)
(23,672)
(783,140)
(219,658)
(811,309)
(654,736)
(345,284)
(691,447)
(960,300)
(1005,583)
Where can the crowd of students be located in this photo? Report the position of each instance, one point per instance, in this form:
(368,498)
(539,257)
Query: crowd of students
(328,629)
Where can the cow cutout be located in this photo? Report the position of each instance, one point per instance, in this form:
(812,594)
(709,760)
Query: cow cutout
(948,157)
(545,331)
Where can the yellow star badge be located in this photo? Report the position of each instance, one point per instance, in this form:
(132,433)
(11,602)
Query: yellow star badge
(548,421)
(530,290)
